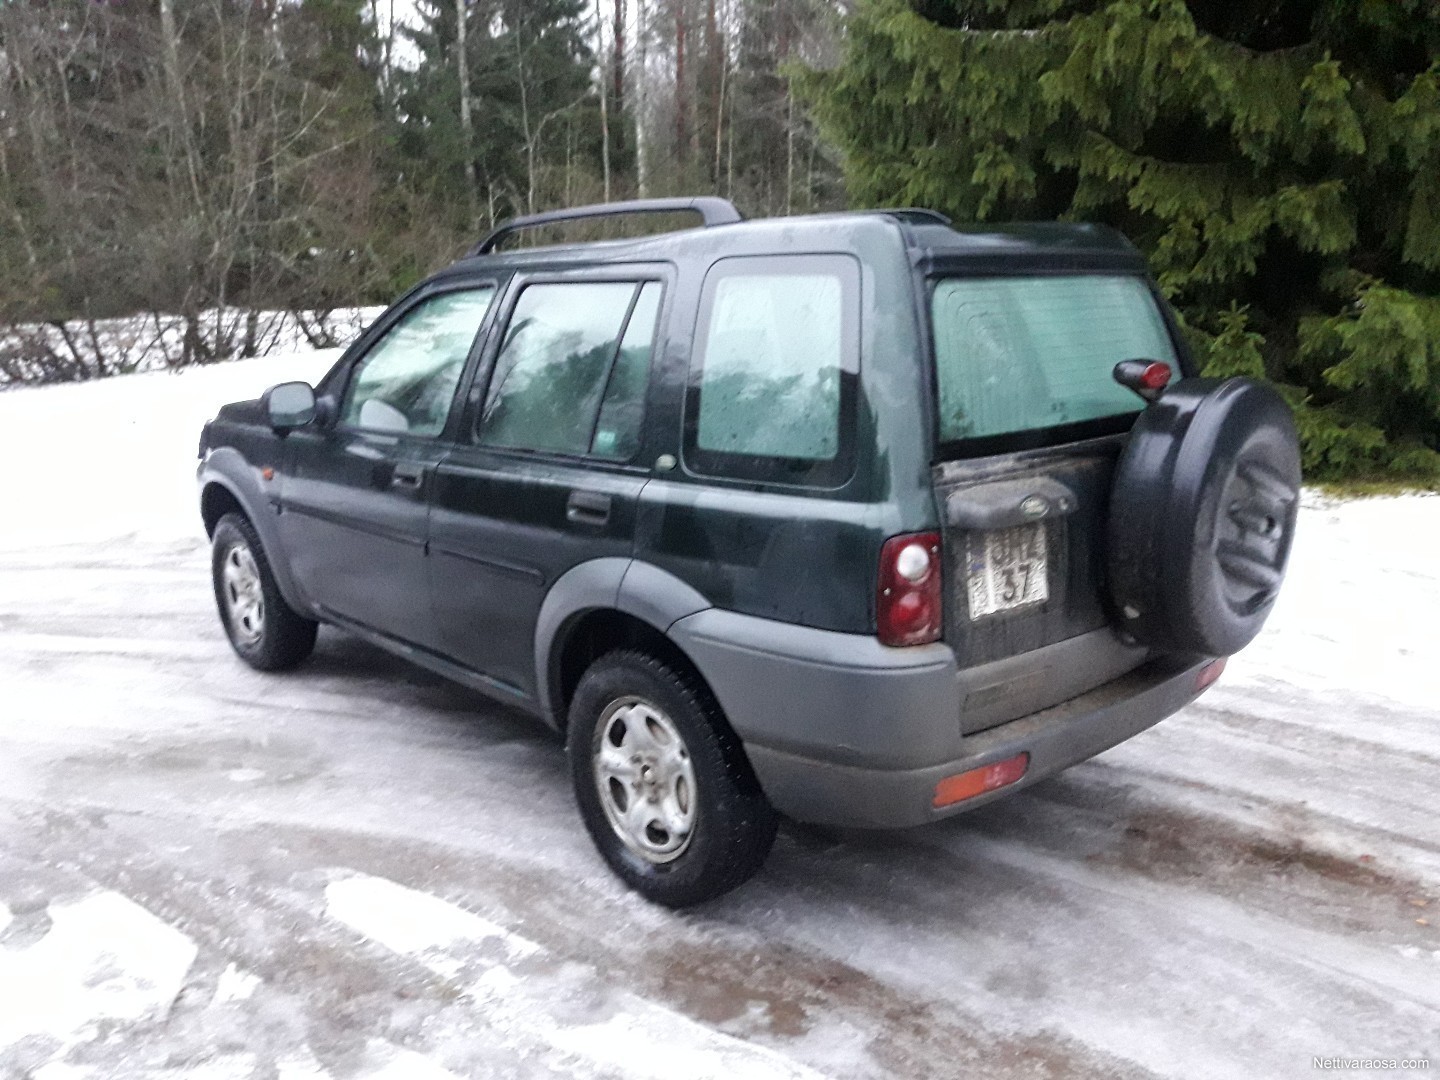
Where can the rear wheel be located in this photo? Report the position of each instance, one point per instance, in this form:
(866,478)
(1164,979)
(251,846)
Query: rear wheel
(265,631)
(662,782)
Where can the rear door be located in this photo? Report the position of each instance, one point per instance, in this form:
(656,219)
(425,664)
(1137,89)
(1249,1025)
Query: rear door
(550,464)
(354,501)
(1030,425)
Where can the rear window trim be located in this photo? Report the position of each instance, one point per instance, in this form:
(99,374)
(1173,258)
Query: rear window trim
(1035,438)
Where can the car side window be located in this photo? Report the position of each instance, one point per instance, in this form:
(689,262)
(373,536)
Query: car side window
(572,369)
(772,380)
(622,409)
(406,382)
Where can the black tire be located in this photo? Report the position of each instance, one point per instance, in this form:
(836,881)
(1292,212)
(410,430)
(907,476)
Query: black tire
(280,637)
(733,825)
(1202,516)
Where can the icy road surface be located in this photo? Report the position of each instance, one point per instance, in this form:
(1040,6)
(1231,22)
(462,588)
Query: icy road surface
(358,870)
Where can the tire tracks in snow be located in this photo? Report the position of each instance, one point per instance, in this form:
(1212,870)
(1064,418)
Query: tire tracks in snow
(742,1007)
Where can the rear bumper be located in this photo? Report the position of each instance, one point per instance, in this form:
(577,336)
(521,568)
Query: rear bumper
(860,734)
(824,792)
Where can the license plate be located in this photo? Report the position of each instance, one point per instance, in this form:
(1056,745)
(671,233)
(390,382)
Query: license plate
(1008,569)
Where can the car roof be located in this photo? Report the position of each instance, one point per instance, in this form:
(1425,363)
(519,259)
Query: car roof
(932,242)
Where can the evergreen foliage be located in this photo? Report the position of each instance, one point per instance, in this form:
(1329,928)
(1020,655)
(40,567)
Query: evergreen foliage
(535,104)
(1278,162)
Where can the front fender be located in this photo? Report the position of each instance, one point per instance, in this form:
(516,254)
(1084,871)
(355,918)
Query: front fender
(227,467)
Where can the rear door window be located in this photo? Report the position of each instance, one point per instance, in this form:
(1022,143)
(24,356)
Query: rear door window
(772,383)
(1025,354)
(572,370)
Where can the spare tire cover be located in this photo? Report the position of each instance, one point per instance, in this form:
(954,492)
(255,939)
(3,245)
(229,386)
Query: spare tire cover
(1202,516)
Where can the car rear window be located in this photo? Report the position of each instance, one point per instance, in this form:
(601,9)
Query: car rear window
(1023,354)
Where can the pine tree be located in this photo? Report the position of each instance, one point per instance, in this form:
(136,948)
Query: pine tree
(531,69)
(1279,163)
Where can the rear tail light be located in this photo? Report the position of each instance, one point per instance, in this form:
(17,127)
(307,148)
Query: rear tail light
(967,785)
(907,602)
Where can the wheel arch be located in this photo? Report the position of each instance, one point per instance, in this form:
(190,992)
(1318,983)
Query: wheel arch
(604,605)
(228,485)
(217,500)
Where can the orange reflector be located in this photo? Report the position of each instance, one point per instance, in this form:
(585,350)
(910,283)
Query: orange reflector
(1208,674)
(967,785)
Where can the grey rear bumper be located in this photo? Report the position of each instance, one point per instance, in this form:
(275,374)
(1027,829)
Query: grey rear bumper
(844,731)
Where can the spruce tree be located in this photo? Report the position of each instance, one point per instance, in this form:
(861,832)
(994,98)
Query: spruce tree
(531,79)
(1277,160)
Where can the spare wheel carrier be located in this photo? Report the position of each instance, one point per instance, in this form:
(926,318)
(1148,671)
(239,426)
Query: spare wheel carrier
(1202,516)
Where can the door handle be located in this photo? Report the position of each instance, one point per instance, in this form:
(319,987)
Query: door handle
(408,477)
(588,507)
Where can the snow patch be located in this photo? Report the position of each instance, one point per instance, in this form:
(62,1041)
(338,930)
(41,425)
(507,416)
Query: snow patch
(415,923)
(104,957)
(404,1065)
(301,1066)
(550,1004)
(1357,609)
(229,1067)
(59,1070)
(674,1047)
(235,985)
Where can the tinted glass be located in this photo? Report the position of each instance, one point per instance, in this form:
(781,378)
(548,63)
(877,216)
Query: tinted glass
(772,362)
(1023,354)
(406,382)
(552,368)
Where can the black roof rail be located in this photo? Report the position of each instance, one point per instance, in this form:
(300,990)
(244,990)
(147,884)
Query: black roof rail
(915,215)
(712,209)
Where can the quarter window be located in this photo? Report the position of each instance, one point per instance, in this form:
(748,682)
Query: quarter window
(773,382)
(406,383)
(571,373)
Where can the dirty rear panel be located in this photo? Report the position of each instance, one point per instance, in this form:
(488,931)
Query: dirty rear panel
(1072,484)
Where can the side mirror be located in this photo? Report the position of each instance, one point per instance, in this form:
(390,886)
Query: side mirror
(290,405)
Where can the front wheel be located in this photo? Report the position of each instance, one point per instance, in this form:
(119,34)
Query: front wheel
(266,632)
(662,782)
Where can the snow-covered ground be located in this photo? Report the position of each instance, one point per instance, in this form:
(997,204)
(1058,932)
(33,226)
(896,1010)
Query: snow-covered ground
(359,870)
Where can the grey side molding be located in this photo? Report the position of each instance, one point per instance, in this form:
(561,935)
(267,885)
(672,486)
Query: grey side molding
(593,584)
(658,596)
(637,588)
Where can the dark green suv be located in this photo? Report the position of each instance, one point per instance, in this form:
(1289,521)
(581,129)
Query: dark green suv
(857,518)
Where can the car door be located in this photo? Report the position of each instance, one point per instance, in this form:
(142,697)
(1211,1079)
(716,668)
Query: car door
(354,500)
(548,471)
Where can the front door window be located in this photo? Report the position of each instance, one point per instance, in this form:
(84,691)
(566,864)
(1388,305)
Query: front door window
(406,383)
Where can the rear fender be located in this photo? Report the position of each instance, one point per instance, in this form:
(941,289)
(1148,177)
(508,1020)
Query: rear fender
(654,596)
